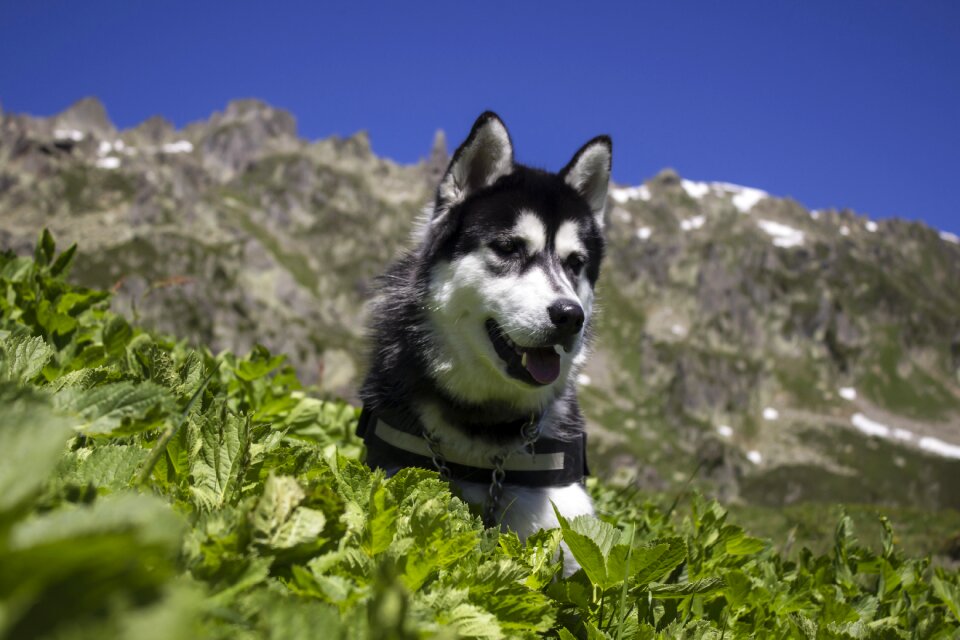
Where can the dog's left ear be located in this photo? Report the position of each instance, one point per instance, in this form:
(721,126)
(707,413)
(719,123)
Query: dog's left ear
(589,174)
(486,154)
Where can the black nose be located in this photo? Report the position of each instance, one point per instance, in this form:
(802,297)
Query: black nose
(567,316)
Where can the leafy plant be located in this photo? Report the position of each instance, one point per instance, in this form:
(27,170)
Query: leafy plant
(151,489)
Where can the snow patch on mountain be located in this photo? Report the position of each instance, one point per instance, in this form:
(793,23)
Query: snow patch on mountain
(869,427)
(940,447)
(180,146)
(902,434)
(68,134)
(626,194)
(783,235)
(927,443)
(743,198)
(106,147)
(747,198)
(695,190)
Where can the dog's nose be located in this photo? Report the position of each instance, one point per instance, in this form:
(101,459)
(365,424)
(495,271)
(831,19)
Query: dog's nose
(567,316)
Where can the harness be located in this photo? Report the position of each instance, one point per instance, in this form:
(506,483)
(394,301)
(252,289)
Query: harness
(395,438)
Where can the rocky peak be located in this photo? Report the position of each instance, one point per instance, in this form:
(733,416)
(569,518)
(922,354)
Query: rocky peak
(87,116)
(276,122)
(154,130)
(247,130)
(666,178)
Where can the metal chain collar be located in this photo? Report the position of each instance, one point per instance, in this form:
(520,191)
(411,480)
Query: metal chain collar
(529,433)
(436,456)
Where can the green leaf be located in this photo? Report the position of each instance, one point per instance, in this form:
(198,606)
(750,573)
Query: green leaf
(80,569)
(61,266)
(280,616)
(116,335)
(588,554)
(744,545)
(381,525)
(46,248)
(472,621)
(590,541)
(540,555)
(22,358)
(109,468)
(684,589)
(279,520)
(150,520)
(258,365)
(738,588)
(657,558)
(220,441)
(949,593)
(32,439)
(119,408)
(53,321)
(594,633)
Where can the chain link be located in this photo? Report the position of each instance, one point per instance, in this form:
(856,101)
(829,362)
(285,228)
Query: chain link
(436,456)
(530,432)
(495,492)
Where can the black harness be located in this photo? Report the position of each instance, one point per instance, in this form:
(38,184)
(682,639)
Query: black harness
(395,439)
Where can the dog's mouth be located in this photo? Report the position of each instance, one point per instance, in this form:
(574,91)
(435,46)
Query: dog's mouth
(537,366)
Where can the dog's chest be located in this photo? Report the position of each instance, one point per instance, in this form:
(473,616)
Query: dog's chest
(526,510)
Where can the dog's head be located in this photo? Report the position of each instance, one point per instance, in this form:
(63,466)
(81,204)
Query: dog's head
(512,254)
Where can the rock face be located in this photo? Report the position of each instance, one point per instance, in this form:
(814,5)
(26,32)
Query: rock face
(785,354)
(231,232)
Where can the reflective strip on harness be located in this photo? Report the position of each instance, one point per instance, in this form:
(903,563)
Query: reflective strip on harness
(417,445)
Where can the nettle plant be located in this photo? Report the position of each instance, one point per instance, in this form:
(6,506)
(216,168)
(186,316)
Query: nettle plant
(153,489)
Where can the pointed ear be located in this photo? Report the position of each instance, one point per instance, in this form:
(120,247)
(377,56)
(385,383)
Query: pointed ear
(485,155)
(589,174)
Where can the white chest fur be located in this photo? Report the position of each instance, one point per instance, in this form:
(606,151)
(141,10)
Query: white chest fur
(526,510)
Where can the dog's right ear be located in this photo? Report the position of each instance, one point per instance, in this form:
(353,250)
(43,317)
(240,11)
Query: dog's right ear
(485,155)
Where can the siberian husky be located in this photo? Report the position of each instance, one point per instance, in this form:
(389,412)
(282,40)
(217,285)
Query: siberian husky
(478,332)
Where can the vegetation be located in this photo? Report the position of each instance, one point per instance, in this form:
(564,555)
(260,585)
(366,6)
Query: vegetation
(150,489)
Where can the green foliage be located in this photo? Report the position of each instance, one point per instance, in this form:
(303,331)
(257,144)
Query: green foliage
(148,489)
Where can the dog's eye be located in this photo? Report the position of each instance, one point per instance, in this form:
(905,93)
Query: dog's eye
(508,248)
(575,263)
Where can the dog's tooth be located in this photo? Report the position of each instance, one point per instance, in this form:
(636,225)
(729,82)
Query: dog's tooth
(523,359)
(558,349)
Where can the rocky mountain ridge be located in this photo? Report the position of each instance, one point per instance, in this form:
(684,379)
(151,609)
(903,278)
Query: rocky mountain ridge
(786,355)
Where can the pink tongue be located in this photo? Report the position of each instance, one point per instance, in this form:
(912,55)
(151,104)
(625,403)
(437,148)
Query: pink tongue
(543,364)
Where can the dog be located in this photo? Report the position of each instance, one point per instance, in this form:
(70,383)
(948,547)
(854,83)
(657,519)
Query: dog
(478,332)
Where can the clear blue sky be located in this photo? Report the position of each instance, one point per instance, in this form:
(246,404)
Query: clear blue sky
(835,103)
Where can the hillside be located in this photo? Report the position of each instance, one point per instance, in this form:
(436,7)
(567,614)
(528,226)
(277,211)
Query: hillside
(783,355)
(154,490)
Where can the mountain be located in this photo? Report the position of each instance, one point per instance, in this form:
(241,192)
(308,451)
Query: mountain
(778,355)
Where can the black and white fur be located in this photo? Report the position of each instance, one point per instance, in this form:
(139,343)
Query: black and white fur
(507,243)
